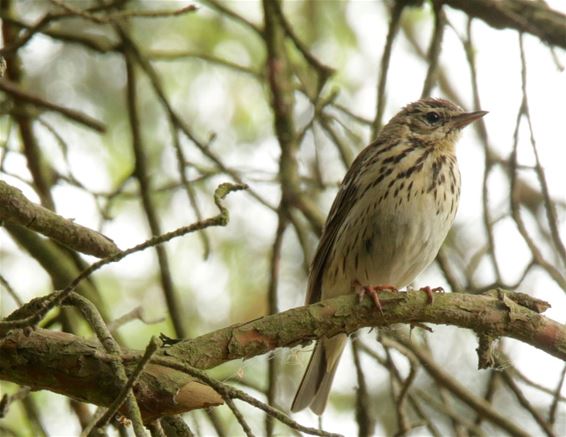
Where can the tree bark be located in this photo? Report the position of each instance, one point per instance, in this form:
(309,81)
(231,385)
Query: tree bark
(79,368)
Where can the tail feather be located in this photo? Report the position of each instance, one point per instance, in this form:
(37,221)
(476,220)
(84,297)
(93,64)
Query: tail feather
(315,386)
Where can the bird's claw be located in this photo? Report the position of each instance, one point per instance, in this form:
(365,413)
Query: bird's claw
(429,292)
(372,291)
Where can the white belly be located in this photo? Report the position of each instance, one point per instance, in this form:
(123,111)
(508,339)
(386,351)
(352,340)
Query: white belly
(391,245)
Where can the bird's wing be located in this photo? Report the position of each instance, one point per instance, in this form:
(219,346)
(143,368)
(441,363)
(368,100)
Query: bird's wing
(345,199)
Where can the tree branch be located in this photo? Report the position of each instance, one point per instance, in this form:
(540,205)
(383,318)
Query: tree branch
(72,114)
(82,370)
(495,313)
(15,208)
(78,368)
(527,16)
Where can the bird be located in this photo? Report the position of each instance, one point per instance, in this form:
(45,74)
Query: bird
(390,216)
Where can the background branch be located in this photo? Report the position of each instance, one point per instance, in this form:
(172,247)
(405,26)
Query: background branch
(522,15)
(16,209)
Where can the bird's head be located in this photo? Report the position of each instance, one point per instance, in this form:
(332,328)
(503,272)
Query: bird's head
(433,123)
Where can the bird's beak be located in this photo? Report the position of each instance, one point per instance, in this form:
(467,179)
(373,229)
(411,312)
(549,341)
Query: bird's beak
(462,120)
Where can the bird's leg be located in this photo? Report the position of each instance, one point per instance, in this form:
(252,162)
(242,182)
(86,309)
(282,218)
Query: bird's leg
(372,291)
(390,288)
(429,292)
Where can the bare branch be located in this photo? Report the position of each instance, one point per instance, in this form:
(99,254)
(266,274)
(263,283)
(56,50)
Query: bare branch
(88,364)
(72,114)
(15,208)
(527,16)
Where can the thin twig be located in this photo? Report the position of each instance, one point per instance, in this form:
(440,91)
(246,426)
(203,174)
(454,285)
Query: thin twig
(141,173)
(39,310)
(556,398)
(280,81)
(91,314)
(134,314)
(384,67)
(230,392)
(365,414)
(490,392)
(548,203)
(273,368)
(488,158)
(403,421)
(7,400)
(98,44)
(323,71)
(181,125)
(25,96)
(512,385)
(224,11)
(188,186)
(239,417)
(434,48)
(163,55)
(152,347)
(475,402)
(4,282)
(553,272)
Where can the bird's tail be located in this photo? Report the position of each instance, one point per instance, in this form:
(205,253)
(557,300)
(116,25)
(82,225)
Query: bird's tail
(317,380)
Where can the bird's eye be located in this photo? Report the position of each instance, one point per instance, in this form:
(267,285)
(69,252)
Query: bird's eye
(432,117)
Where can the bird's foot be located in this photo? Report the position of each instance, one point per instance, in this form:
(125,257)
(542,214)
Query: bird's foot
(429,292)
(372,291)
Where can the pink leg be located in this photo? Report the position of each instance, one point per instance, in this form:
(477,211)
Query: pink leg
(373,291)
(429,292)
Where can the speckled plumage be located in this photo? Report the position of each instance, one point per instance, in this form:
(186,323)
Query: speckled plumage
(394,208)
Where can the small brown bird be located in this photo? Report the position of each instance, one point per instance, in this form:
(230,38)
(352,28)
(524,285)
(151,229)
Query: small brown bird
(392,213)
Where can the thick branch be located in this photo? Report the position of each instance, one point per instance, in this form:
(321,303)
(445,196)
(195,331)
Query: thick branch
(80,369)
(495,313)
(15,208)
(527,16)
